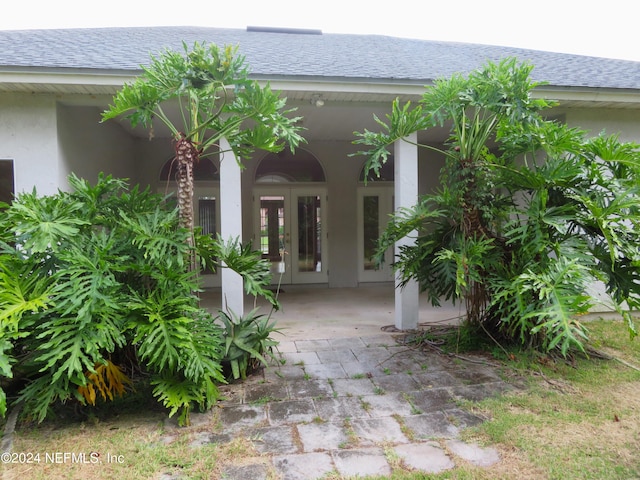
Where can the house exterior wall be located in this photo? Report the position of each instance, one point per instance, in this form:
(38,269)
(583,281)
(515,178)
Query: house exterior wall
(626,123)
(88,147)
(48,140)
(28,125)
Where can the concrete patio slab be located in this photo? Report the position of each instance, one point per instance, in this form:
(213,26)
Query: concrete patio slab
(312,388)
(361,462)
(473,453)
(427,457)
(431,400)
(373,431)
(300,358)
(341,407)
(312,419)
(399,382)
(304,466)
(254,471)
(325,370)
(274,440)
(435,379)
(260,393)
(292,411)
(353,386)
(238,417)
(387,405)
(322,436)
(428,426)
(337,355)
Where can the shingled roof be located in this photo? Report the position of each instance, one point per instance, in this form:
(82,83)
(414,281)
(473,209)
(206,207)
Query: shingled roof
(301,54)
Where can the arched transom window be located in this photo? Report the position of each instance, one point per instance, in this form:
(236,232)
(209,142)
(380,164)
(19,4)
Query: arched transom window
(286,167)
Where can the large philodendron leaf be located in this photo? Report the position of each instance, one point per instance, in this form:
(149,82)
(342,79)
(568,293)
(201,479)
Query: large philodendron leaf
(44,224)
(559,293)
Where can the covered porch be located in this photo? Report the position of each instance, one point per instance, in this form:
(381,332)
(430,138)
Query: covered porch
(317,312)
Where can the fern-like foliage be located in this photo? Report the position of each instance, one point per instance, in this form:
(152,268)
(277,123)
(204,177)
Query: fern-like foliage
(108,380)
(88,275)
(530,212)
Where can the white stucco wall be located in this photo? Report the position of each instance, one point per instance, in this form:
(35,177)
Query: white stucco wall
(88,147)
(150,156)
(625,123)
(28,127)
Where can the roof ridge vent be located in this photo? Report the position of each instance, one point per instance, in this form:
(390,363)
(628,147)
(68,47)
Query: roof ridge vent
(298,31)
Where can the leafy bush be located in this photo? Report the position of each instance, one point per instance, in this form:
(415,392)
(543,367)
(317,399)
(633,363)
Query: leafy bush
(529,214)
(95,283)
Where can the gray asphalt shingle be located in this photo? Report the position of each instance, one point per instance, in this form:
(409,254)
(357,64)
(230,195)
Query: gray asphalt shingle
(332,56)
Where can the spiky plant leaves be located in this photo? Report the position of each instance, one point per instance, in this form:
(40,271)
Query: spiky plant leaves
(247,341)
(245,261)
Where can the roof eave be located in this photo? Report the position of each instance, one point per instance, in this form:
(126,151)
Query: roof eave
(108,82)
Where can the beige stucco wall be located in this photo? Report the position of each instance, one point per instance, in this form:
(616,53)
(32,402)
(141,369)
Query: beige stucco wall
(48,140)
(28,127)
(88,147)
(625,123)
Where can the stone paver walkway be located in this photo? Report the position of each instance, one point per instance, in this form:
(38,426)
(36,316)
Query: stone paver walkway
(351,406)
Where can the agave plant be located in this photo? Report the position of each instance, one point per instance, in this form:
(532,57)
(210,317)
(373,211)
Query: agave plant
(247,341)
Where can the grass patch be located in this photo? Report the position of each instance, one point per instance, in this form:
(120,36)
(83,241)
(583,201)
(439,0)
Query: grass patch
(132,446)
(577,419)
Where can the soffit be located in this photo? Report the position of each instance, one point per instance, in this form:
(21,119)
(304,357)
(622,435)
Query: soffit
(336,120)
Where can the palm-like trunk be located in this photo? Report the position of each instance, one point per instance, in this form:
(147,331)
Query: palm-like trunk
(472,229)
(186,157)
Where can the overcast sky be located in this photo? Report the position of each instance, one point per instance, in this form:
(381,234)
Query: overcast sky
(588,27)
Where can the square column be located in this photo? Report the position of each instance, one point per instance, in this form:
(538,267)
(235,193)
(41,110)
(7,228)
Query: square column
(406,195)
(230,225)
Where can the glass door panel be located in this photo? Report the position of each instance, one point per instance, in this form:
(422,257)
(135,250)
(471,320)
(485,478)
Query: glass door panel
(309,234)
(207,214)
(371,229)
(289,233)
(273,235)
(206,209)
(375,204)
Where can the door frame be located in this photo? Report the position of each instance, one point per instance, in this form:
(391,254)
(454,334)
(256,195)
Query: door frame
(291,193)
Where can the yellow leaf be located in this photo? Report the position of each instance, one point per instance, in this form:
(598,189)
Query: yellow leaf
(107,379)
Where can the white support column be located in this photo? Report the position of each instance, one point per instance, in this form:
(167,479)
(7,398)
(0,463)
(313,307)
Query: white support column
(231,225)
(406,195)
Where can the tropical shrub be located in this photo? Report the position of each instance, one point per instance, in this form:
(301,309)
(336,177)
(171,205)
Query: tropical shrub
(216,99)
(95,286)
(529,214)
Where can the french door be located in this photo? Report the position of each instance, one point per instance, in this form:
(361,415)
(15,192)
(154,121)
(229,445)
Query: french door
(289,230)
(375,205)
